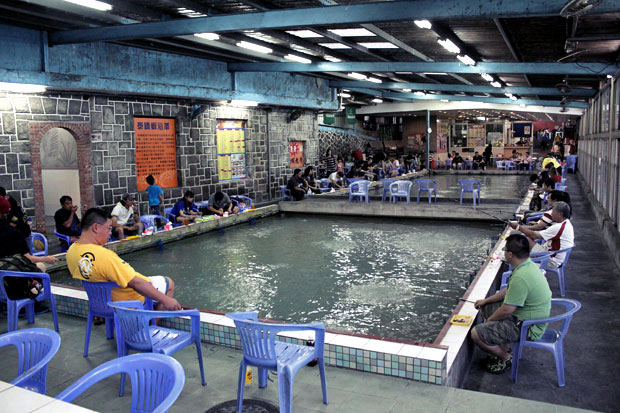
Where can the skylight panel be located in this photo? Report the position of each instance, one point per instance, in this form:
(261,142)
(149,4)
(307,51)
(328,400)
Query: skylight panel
(334,45)
(379,45)
(361,32)
(304,34)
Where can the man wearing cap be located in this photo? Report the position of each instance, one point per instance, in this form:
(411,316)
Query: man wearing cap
(125,220)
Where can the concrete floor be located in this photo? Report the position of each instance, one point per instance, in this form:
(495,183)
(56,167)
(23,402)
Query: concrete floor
(591,346)
(348,391)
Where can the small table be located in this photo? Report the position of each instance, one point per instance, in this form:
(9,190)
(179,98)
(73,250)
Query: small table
(17,400)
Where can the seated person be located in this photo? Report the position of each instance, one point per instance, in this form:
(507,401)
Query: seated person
(336,180)
(89,260)
(67,222)
(355,171)
(515,155)
(16,216)
(553,174)
(524,161)
(156,197)
(457,161)
(558,236)
(546,220)
(550,160)
(185,211)
(125,220)
(526,297)
(310,182)
(479,162)
(15,256)
(296,185)
(220,203)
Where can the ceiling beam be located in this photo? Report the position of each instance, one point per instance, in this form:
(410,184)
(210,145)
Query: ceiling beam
(444,67)
(326,15)
(444,87)
(536,102)
(500,27)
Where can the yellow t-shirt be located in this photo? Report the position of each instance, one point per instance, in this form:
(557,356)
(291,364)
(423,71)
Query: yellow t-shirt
(555,163)
(90,262)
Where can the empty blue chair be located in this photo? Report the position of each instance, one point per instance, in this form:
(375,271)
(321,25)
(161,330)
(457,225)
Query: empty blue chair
(65,241)
(262,350)
(134,332)
(286,193)
(510,166)
(500,164)
(35,349)
(386,187)
(400,189)
(33,251)
(424,185)
(14,306)
(149,220)
(551,340)
(559,271)
(359,190)
(99,294)
(324,185)
(448,164)
(472,186)
(571,163)
(156,381)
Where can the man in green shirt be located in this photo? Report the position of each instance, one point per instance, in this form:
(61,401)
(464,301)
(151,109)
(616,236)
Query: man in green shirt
(527,297)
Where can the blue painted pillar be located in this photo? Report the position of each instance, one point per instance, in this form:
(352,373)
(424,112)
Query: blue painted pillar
(428,140)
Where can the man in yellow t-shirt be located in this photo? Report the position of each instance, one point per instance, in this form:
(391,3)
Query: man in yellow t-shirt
(88,260)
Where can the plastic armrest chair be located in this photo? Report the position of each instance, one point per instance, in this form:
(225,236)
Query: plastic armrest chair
(133,332)
(14,306)
(551,340)
(156,381)
(261,349)
(149,220)
(33,251)
(63,238)
(35,348)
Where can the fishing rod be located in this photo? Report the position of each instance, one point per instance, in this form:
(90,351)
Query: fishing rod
(505,221)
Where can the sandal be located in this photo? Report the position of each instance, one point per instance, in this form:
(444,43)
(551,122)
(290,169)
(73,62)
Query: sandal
(498,366)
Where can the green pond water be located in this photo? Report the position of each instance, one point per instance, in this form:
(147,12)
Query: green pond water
(384,277)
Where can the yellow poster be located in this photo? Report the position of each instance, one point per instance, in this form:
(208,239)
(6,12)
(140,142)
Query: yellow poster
(231,161)
(223,167)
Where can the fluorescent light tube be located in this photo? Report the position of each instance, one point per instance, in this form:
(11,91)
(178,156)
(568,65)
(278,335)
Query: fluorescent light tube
(22,87)
(374,80)
(448,45)
(208,36)
(467,60)
(423,24)
(303,33)
(357,76)
(377,100)
(419,93)
(487,77)
(344,95)
(496,84)
(406,90)
(255,47)
(379,45)
(352,32)
(334,45)
(332,58)
(92,4)
(296,58)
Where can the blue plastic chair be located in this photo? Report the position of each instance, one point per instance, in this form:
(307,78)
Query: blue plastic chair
(560,187)
(286,193)
(99,294)
(246,200)
(448,164)
(33,251)
(500,164)
(469,185)
(324,185)
(556,270)
(468,164)
(262,350)
(551,340)
(425,185)
(35,349)
(400,189)
(14,306)
(149,220)
(351,180)
(156,381)
(63,238)
(571,163)
(386,187)
(133,331)
(534,217)
(359,190)
(510,166)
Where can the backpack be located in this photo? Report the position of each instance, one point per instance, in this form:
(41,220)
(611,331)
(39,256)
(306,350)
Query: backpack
(18,288)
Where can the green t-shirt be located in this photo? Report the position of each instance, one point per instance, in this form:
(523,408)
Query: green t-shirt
(529,291)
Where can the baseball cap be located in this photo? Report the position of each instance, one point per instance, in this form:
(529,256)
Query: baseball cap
(5,206)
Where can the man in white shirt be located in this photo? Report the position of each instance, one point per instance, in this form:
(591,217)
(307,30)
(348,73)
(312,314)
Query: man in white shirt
(124,221)
(336,180)
(557,237)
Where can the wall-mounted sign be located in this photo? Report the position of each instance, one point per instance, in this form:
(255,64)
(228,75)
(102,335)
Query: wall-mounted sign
(296,154)
(350,115)
(231,162)
(156,152)
(329,118)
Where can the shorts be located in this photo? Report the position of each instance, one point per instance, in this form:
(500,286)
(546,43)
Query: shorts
(160,283)
(553,261)
(493,333)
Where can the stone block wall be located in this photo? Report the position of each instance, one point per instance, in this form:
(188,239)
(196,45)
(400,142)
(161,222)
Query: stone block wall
(113,159)
(340,143)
